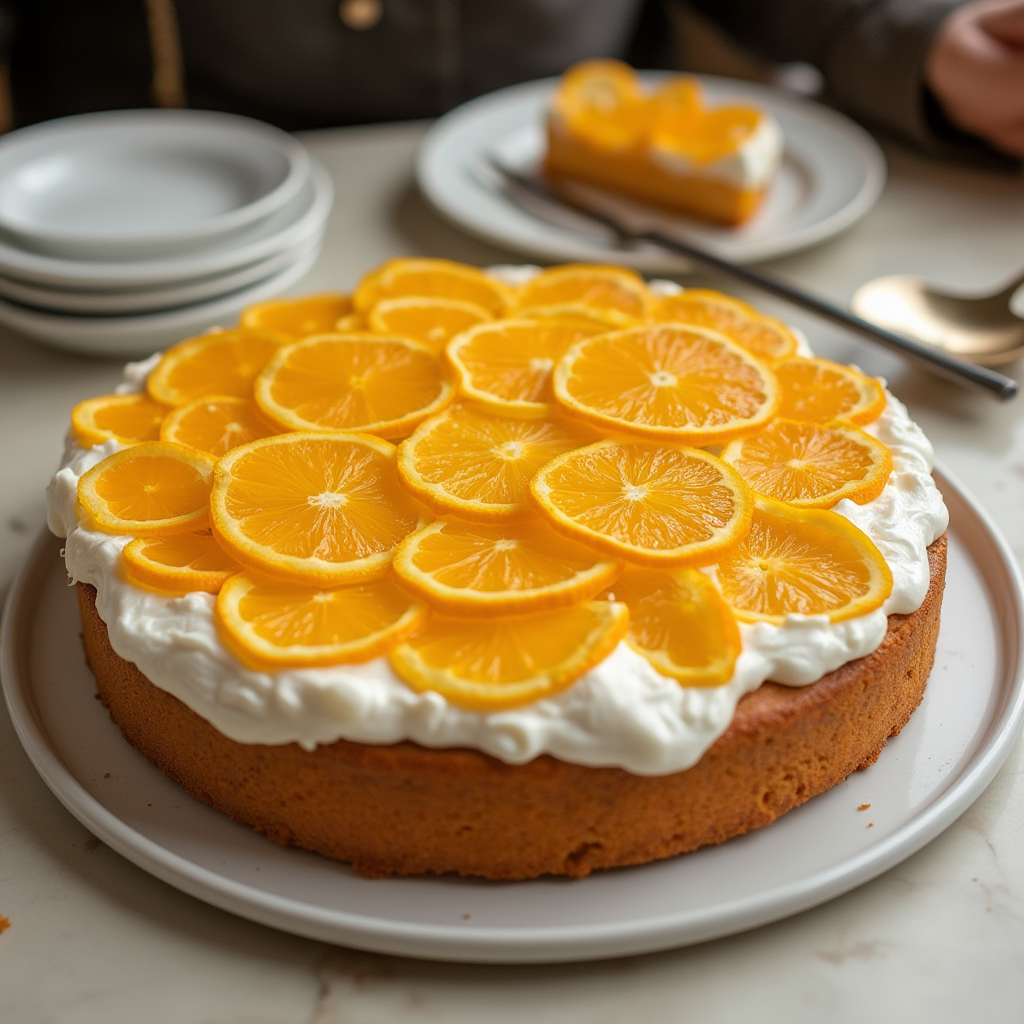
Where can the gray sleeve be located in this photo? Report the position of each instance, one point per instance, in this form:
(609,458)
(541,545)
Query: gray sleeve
(872,53)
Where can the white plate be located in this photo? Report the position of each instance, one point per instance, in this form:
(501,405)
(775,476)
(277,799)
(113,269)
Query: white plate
(926,777)
(143,183)
(832,173)
(298,220)
(137,336)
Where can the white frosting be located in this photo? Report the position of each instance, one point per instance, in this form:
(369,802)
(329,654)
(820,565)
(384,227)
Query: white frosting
(751,165)
(620,713)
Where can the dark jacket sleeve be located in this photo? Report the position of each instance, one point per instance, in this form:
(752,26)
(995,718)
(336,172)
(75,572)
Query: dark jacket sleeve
(872,53)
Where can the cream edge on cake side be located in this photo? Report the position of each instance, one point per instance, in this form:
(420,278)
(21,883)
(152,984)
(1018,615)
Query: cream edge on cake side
(621,713)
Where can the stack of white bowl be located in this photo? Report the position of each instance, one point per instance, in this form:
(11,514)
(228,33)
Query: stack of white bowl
(123,232)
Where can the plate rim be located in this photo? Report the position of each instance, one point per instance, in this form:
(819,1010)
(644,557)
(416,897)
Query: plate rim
(503,945)
(432,147)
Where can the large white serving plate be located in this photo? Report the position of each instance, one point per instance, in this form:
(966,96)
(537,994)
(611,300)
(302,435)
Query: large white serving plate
(832,173)
(298,220)
(926,777)
(141,183)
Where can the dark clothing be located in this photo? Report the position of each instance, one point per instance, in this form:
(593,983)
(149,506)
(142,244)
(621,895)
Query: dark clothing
(295,63)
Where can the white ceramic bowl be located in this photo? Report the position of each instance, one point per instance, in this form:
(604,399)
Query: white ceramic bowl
(141,184)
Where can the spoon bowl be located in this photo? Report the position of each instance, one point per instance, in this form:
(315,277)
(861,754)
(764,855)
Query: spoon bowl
(981,329)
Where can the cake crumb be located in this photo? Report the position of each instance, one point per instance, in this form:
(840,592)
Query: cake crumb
(5,923)
(871,824)
(106,775)
(863,807)
(466,917)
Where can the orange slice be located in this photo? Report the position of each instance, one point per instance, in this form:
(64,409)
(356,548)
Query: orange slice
(763,335)
(656,505)
(318,508)
(222,364)
(216,425)
(680,623)
(478,466)
(127,419)
(349,322)
(495,664)
(433,321)
(383,386)
(437,279)
(150,490)
(811,466)
(272,624)
(668,383)
(573,313)
(805,562)
(819,391)
(473,569)
(603,101)
(179,564)
(585,284)
(298,318)
(506,365)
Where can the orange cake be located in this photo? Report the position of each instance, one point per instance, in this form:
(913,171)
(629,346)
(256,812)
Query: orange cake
(664,145)
(509,574)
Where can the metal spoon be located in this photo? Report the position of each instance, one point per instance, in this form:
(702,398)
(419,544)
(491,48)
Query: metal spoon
(979,328)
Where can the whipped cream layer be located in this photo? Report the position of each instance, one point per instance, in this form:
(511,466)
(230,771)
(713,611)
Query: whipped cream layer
(620,713)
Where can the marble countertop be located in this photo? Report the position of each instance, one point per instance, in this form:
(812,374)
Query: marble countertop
(938,938)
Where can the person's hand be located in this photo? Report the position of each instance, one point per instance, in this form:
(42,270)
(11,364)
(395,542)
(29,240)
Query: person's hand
(976,71)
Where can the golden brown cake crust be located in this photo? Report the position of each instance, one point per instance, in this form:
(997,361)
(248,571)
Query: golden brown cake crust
(404,809)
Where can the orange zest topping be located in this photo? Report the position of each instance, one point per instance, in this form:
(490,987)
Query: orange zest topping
(474,569)
(149,490)
(216,425)
(382,386)
(586,284)
(499,663)
(805,562)
(477,466)
(179,564)
(679,622)
(298,318)
(650,504)
(222,364)
(127,419)
(668,383)
(430,278)
(432,321)
(318,508)
(819,391)
(272,624)
(811,466)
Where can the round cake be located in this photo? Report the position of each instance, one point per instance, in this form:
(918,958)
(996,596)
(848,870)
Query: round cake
(719,707)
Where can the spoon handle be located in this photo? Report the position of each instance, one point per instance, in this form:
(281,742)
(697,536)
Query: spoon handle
(939,362)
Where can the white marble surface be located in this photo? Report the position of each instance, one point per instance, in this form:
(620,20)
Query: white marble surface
(940,938)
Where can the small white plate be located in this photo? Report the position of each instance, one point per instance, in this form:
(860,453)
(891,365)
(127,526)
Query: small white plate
(300,219)
(926,777)
(832,173)
(143,183)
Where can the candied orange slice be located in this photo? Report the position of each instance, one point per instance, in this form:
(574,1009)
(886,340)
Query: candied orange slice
(677,106)
(300,317)
(222,364)
(431,278)
(495,664)
(127,419)
(151,489)
(586,284)
(763,335)
(319,508)
(272,624)
(804,562)
(713,134)
(179,564)
(666,382)
(478,466)
(383,386)
(506,365)
(652,504)
(475,569)
(603,101)
(216,425)
(680,623)
(812,466)
(819,391)
(433,321)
